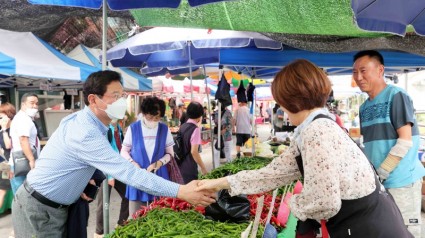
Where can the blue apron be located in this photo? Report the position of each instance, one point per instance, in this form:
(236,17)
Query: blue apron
(138,153)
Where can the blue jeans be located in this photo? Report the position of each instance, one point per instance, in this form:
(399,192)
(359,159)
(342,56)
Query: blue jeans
(16,182)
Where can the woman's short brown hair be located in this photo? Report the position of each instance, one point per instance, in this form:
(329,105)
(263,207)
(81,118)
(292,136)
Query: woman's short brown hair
(8,109)
(301,85)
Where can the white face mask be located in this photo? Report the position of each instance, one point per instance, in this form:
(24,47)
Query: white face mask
(150,124)
(116,110)
(31,112)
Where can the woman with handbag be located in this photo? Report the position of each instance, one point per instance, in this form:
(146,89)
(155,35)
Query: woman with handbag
(148,144)
(7,112)
(341,187)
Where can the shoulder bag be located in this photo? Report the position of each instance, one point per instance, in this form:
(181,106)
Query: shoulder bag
(21,163)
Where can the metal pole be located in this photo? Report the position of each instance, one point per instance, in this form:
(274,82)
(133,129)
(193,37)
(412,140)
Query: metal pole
(209,118)
(105,182)
(104,30)
(271,119)
(219,131)
(72,102)
(253,121)
(190,70)
(82,105)
(16,98)
(406,77)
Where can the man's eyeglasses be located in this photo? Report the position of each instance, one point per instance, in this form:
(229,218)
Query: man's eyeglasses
(116,95)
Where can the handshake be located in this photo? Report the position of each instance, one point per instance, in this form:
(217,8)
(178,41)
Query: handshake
(202,192)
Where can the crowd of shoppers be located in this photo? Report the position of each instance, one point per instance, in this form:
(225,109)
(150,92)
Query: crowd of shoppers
(342,192)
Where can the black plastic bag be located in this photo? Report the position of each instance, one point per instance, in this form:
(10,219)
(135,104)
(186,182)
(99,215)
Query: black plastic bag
(228,208)
(308,226)
(241,93)
(220,148)
(216,146)
(223,92)
(250,92)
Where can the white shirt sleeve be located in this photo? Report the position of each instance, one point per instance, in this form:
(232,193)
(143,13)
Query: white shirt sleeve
(170,141)
(126,145)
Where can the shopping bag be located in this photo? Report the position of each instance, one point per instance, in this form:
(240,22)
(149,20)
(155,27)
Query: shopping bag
(174,171)
(228,208)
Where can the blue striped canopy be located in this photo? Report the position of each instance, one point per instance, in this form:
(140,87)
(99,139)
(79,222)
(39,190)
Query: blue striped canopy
(22,54)
(132,81)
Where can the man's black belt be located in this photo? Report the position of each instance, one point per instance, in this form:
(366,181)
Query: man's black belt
(42,198)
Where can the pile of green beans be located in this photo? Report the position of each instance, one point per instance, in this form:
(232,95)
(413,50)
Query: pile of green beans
(165,222)
(245,163)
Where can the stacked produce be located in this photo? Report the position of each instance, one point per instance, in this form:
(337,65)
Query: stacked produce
(166,222)
(267,201)
(237,165)
(167,202)
(171,217)
(240,164)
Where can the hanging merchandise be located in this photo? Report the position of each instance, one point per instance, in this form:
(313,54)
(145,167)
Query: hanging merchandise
(223,92)
(250,92)
(241,93)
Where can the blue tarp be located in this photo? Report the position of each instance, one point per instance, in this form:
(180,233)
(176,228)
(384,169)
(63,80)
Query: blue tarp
(338,63)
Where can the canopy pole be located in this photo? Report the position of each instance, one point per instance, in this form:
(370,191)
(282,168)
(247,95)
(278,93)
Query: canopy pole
(104,30)
(219,133)
(253,119)
(406,78)
(81,97)
(209,118)
(105,186)
(190,69)
(16,93)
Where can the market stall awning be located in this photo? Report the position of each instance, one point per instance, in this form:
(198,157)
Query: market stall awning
(390,16)
(131,80)
(339,63)
(22,54)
